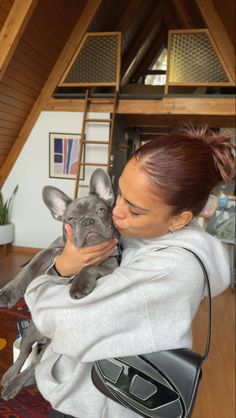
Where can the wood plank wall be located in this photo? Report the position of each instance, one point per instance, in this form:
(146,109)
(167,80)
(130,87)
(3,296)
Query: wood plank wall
(45,35)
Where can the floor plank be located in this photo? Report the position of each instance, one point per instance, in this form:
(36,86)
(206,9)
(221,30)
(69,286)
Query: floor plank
(11,264)
(216,396)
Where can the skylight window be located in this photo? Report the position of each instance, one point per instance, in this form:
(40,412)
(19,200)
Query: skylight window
(156,75)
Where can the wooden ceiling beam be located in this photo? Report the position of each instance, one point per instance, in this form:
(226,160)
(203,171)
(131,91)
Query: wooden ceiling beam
(142,43)
(159,41)
(128,15)
(213,112)
(88,12)
(210,121)
(219,34)
(151,130)
(182,106)
(182,14)
(13,29)
(169,17)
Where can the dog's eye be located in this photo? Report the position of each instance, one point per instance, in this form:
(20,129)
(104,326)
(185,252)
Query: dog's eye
(100,210)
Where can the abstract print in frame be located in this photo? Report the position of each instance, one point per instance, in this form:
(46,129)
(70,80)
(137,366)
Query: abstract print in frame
(63,155)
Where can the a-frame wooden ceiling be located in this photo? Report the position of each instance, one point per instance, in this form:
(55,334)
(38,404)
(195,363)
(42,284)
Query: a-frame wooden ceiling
(38,39)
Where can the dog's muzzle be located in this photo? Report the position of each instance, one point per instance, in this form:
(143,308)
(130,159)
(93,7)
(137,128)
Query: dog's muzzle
(88,222)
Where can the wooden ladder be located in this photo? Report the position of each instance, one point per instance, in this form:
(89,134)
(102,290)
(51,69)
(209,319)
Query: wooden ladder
(84,141)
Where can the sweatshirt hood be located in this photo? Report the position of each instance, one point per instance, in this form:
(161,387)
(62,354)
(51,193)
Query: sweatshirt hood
(192,237)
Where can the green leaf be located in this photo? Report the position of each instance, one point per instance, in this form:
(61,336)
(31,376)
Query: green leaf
(5,207)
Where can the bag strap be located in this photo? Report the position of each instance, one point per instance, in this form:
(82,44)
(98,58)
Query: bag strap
(208,287)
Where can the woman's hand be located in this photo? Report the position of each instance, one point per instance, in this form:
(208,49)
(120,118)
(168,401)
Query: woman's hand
(73,259)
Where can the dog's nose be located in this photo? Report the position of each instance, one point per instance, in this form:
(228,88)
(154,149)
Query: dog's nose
(88,222)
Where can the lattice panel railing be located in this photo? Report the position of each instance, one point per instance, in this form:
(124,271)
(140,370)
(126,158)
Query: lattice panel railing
(96,62)
(193,59)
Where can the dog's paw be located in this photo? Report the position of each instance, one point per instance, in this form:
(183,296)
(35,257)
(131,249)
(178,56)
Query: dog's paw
(8,298)
(6,378)
(4,298)
(14,386)
(80,290)
(9,391)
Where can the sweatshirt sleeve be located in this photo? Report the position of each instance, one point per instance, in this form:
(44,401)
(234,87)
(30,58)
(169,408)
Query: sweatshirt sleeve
(129,312)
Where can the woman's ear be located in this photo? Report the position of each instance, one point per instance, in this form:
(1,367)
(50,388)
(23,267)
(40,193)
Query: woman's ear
(179,221)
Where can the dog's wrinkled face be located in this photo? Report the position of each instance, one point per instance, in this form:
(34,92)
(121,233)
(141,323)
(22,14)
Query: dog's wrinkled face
(91,220)
(90,217)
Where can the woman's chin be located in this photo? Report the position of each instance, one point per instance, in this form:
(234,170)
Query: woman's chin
(125,233)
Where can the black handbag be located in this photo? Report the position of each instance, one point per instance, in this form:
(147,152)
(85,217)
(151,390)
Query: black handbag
(157,385)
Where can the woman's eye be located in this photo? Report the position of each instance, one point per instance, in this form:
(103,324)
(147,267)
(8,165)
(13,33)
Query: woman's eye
(135,214)
(100,210)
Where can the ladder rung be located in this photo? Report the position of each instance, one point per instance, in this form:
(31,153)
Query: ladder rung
(98,120)
(95,164)
(95,142)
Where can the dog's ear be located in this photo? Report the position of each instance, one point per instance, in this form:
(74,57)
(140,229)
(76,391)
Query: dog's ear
(100,184)
(56,201)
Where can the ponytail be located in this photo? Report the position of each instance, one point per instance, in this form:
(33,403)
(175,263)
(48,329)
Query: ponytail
(221,148)
(223,152)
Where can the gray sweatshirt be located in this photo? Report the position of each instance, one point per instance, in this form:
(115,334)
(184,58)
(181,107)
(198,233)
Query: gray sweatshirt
(147,304)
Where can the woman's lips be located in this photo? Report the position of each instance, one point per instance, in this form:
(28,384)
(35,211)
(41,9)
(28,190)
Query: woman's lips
(116,224)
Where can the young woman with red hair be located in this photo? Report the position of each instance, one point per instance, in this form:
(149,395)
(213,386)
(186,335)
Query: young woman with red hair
(148,303)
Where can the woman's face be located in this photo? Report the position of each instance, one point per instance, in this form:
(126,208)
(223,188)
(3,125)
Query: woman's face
(139,213)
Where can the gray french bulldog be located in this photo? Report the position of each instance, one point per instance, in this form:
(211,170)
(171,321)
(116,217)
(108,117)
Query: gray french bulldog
(91,220)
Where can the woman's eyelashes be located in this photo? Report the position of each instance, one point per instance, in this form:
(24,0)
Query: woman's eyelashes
(134,213)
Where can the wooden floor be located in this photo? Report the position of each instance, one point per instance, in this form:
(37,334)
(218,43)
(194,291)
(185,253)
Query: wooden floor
(216,396)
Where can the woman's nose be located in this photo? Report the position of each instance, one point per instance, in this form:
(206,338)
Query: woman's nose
(118,211)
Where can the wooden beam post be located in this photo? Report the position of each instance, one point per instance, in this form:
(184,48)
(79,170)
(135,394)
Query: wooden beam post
(219,34)
(13,28)
(55,76)
(142,43)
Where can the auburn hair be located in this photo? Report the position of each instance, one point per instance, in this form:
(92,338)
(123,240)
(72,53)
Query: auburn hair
(185,166)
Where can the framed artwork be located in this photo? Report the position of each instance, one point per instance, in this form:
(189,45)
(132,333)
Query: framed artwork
(63,155)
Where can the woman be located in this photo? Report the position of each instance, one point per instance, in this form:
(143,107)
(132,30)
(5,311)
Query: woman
(148,303)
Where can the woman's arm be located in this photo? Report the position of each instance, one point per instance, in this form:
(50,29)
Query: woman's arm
(143,307)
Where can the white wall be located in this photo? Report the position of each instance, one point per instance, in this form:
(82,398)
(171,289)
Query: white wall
(34,225)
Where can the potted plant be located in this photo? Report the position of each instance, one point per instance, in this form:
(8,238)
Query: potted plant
(6,227)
